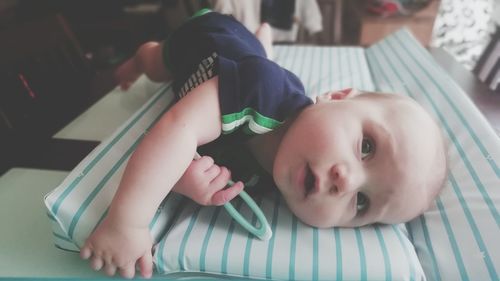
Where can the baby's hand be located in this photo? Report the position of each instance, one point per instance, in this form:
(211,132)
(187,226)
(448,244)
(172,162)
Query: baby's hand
(204,182)
(114,247)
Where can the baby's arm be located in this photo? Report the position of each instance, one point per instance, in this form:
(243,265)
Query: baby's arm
(123,238)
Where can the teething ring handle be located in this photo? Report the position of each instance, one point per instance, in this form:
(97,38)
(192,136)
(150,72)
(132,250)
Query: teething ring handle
(264,230)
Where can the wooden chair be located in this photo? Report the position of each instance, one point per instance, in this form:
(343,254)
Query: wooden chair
(44,84)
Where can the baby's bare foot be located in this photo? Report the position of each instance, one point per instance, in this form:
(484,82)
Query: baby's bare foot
(126,74)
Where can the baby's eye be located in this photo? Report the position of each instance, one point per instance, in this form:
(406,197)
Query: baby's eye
(367,147)
(362,202)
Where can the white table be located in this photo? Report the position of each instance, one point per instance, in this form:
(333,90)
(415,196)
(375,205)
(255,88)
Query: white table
(112,110)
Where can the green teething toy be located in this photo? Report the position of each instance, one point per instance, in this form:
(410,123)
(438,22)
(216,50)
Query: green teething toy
(264,231)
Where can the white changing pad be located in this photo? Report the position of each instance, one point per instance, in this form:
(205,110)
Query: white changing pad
(456,240)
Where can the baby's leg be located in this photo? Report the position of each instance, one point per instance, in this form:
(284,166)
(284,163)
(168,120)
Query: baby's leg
(265,36)
(148,60)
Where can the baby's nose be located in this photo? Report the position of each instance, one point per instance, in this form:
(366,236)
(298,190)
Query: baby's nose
(340,178)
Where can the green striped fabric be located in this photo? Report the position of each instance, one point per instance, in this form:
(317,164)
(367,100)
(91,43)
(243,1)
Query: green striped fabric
(255,123)
(207,240)
(456,240)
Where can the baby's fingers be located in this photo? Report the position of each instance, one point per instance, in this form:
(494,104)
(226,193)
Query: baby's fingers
(204,162)
(110,269)
(85,252)
(96,263)
(146,265)
(223,196)
(220,180)
(128,271)
(213,172)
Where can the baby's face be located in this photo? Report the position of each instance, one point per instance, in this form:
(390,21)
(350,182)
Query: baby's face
(351,160)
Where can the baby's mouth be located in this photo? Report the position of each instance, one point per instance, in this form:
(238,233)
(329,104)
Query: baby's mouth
(309,181)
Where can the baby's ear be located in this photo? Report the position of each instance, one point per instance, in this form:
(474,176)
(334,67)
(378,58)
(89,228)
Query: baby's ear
(337,95)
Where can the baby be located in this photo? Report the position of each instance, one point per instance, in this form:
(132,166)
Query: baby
(350,159)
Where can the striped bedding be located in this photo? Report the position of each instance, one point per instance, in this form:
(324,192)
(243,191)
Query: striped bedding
(456,240)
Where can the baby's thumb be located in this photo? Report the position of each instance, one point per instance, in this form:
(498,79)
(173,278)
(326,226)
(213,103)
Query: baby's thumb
(146,265)
(223,196)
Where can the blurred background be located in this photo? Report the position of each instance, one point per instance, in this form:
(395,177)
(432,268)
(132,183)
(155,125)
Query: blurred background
(57,57)
(110,30)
